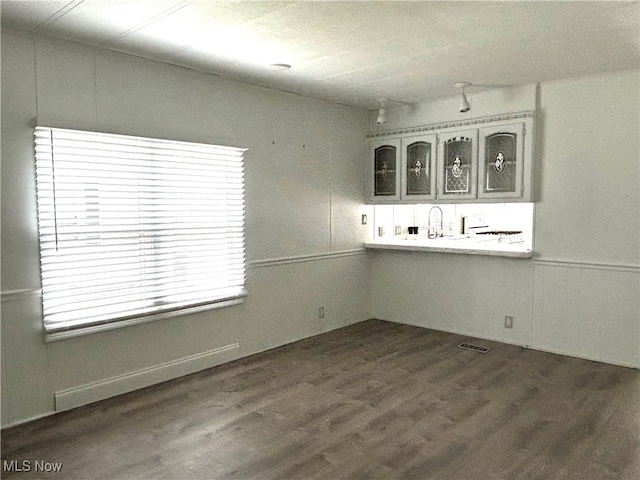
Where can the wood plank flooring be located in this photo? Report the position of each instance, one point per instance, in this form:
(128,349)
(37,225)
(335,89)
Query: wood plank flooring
(374,400)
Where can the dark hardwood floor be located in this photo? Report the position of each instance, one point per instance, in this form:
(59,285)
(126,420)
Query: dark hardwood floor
(374,400)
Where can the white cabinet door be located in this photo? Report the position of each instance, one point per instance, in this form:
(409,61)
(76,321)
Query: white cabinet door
(457,162)
(504,162)
(419,168)
(384,170)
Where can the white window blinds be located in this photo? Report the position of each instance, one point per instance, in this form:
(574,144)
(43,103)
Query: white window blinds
(135,228)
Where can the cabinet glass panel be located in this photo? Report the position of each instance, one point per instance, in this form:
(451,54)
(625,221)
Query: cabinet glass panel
(385,174)
(500,162)
(419,168)
(458,155)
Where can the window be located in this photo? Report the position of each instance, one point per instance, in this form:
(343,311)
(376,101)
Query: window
(133,229)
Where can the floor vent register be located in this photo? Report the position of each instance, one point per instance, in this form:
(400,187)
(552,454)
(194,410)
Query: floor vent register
(475,348)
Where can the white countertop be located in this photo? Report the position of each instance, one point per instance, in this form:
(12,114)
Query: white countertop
(468,246)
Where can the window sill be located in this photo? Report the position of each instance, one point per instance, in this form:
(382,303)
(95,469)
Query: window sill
(54,336)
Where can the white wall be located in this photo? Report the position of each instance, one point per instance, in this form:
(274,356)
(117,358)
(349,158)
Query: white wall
(304,194)
(586,295)
(466,294)
(580,294)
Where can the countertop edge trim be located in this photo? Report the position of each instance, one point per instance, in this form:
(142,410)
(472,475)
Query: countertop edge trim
(455,251)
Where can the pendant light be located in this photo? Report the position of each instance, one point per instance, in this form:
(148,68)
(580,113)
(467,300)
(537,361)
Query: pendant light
(464,102)
(382,113)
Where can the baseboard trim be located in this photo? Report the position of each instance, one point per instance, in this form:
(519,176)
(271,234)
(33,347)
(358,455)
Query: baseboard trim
(537,348)
(26,420)
(94,392)
(461,333)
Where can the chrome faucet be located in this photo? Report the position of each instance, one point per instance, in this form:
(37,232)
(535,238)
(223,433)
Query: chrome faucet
(435,231)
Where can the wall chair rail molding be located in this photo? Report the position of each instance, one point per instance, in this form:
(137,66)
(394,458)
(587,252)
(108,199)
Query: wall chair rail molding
(17,294)
(274,262)
(587,265)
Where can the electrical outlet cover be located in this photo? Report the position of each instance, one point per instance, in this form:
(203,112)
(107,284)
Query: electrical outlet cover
(508,321)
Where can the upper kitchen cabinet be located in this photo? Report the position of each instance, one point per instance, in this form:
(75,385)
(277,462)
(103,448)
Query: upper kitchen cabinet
(479,160)
(402,169)
(457,169)
(418,168)
(384,170)
(504,165)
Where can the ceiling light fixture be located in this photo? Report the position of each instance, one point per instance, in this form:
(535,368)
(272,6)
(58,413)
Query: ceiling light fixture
(464,102)
(382,113)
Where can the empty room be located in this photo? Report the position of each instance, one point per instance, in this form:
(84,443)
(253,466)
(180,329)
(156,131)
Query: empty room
(318,239)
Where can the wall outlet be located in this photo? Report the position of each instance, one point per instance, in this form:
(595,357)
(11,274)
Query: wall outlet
(321,312)
(508,321)
(364,219)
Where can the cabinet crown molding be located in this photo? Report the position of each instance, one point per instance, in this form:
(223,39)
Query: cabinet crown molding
(458,123)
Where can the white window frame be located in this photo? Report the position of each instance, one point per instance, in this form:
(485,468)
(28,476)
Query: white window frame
(134,229)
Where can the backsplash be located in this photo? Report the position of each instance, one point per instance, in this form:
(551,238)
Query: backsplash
(499,216)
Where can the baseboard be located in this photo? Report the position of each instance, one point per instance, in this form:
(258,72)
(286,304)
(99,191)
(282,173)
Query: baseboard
(461,333)
(523,345)
(305,337)
(583,357)
(94,392)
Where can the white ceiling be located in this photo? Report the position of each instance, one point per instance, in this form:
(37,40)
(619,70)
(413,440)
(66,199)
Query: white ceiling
(355,52)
